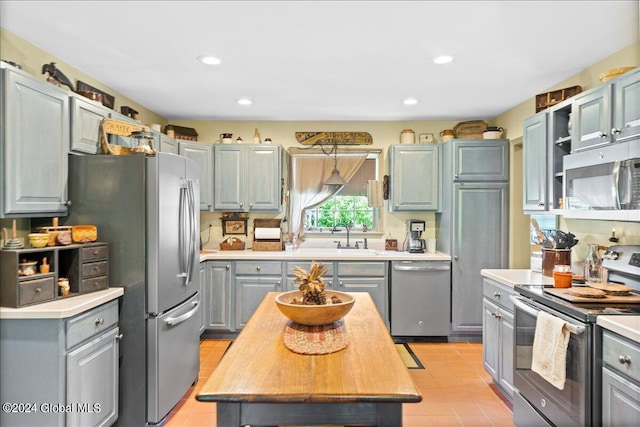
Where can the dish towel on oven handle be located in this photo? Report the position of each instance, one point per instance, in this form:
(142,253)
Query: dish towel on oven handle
(549,358)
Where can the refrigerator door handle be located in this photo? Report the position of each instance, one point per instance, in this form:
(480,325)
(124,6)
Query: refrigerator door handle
(183,234)
(173,321)
(193,231)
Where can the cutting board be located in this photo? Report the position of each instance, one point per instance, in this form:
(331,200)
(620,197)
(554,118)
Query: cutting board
(634,298)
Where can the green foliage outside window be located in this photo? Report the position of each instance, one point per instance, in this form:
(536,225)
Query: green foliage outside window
(353,211)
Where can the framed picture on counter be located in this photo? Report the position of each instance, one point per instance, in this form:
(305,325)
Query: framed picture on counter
(234,226)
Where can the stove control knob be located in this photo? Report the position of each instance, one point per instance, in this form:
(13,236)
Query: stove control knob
(625,360)
(543,403)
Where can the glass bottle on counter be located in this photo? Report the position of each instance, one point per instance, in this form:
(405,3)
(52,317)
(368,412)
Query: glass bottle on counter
(593,265)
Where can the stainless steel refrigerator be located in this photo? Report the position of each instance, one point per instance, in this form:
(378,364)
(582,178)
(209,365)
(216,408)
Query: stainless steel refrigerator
(147,208)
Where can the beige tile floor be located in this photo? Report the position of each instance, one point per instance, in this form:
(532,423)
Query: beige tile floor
(456,390)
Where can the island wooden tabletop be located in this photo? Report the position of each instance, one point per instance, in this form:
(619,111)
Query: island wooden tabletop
(258,368)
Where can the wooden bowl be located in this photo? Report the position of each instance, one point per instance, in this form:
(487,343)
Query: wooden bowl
(314,315)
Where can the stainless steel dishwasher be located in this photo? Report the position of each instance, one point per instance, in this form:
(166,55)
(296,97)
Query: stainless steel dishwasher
(420,298)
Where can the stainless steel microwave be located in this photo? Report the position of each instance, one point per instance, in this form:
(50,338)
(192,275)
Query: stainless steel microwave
(603,183)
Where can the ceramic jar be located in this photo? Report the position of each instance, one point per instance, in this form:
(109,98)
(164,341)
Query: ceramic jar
(446,135)
(407,136)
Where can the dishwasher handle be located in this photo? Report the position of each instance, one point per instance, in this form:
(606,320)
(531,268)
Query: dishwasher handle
(420,268)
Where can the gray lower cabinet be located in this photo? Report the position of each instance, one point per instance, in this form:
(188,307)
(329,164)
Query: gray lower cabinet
(202,275)
(497,335)
(218,297)
(306,265)
(65,374)
(620,381)
(253,280)
(365,276)
(32,111)
(409,165)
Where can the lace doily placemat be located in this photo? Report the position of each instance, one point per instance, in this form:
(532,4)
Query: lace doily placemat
(323,339)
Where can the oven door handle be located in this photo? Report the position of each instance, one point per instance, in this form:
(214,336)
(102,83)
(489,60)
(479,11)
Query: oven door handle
(574,329)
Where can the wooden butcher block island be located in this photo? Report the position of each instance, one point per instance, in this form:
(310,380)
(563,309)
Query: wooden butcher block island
(260,381)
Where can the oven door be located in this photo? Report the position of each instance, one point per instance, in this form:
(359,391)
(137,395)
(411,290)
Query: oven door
(570,406)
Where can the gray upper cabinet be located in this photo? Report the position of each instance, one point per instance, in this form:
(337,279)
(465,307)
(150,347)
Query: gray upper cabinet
(415,177)
(34,142)
(202,154)
(592,118)
(480,160)
(535,162)
(626,111)
(86,118)
(247,177)
(199,152)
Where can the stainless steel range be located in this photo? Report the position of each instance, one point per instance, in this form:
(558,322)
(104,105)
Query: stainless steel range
(536,401)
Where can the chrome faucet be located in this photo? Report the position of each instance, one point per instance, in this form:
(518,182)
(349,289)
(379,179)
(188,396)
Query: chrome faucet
(348,246)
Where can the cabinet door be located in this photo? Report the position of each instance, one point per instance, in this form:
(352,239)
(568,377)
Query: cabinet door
(218,296)
(415,178)
(203,291)
(480,160)
(250,293)
(35,142)
(202,154)
(506,352)
(620,400)
(228,172)
(376,287)
(535,162)
(167,144)
(626,111)
(490,339)
(591,113)
(92,382)
(86,118)
(480,219)
(263,178)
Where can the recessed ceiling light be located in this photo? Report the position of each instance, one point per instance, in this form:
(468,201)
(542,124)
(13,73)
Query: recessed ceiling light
(244,101)
(209,60)
(410,101)
(443,59)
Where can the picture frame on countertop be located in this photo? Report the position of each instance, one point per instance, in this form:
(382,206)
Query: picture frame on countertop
(426,138)
(234,226)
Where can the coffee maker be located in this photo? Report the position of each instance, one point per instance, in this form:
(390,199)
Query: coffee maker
(416,244)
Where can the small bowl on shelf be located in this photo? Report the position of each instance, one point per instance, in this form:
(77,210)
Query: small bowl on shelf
(38,240)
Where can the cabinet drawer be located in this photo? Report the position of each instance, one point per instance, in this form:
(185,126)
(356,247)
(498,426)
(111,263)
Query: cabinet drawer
(93,284)
(258,267)
(498,294)
(94,252)
(37,290)
(307,266)
(615,349)
(99,268)
(361,269)
(93,322)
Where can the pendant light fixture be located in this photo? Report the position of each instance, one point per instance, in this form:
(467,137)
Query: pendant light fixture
(335,178)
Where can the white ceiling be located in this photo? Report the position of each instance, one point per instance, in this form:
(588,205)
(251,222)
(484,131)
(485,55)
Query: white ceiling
(327,60)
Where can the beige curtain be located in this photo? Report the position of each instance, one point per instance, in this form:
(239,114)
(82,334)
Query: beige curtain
(309,170)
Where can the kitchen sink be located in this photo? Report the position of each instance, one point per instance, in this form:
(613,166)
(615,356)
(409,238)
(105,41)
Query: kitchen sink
(336,251)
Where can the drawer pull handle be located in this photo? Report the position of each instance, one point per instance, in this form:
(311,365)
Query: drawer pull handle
(38,290)
(258,268)
(95,253)
(99,321)
(228,267)
(119,337)
(625,360)
(496,294)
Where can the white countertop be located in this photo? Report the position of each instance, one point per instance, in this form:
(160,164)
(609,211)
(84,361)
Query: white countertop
(62,308)
(512,277)
(322,254)
(627,326)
